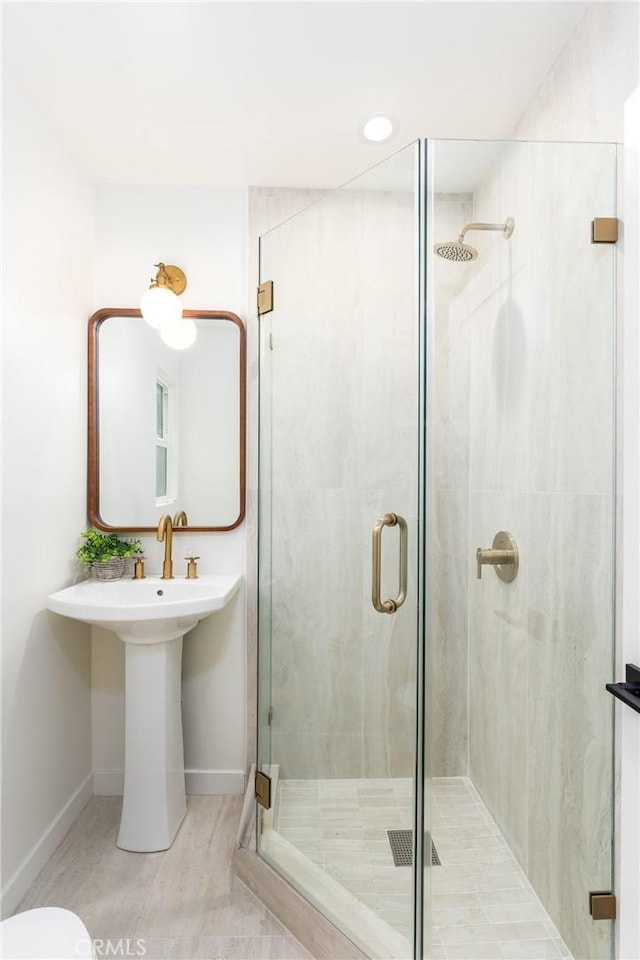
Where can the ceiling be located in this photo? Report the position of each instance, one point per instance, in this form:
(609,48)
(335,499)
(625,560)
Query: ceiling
(272,93)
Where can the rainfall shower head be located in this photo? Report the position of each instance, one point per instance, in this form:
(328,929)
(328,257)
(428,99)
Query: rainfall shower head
(455,250)
(463,252)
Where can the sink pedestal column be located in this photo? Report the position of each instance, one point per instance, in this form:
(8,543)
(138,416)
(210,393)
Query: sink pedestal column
(154,802)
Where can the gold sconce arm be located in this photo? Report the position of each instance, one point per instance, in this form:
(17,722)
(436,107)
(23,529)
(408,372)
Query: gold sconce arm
(170,276)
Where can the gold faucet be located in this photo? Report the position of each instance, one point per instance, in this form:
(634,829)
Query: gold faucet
(165,532)
(180,519)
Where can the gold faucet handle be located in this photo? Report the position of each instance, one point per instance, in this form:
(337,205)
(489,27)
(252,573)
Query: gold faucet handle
(138,568)
(192,568)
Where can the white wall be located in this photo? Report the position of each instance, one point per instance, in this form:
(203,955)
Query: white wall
(204,231)
(46,761)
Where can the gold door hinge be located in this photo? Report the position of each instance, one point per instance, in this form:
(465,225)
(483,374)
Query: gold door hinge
(602,905)
(263,790)
(265,297)
(604,230)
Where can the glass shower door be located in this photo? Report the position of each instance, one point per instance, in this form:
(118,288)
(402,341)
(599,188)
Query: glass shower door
(338,555)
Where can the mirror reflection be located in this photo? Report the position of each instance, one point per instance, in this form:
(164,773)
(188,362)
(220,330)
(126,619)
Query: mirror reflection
(166,427)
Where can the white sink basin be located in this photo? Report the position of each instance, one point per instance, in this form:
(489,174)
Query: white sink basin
(145,611)
(151,616)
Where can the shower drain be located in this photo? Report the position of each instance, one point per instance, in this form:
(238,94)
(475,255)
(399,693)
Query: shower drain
(401,843)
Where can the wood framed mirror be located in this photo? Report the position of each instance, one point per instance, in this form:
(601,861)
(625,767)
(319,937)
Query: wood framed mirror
(166,428)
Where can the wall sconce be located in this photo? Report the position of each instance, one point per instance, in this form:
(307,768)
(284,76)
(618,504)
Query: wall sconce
(162,310)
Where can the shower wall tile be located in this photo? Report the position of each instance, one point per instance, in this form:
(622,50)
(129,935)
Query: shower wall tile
(387,409)
(543,339)
(389,651)
(498,737)
(572,336)
(450,418)
(312,353)
(337,353)
(449,435)
(447,503)
(448,630)
(267,208)
(570,716)
(540,464)
(301,755)
(316,657)
(389,756)
(343,437)
(499,396)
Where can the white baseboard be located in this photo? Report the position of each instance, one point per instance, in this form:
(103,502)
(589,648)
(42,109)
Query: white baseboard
(205,782)
(109,783)
(17,886)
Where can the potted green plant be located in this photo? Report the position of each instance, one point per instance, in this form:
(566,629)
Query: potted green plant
(106,553)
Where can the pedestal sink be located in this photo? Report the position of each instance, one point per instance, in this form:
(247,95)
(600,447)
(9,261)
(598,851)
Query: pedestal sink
(151,616)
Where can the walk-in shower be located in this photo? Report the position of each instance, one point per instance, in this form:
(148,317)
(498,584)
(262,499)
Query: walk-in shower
(406,706)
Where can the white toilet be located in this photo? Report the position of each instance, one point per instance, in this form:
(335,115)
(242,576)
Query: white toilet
(47,933)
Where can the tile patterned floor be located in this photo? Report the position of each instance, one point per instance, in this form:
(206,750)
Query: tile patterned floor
(187,905)
(483,905)
(182,904)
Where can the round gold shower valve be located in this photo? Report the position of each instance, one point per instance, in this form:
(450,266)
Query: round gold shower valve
(503,556)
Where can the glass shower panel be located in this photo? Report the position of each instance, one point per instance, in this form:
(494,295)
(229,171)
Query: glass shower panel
(521,402)
(339,420)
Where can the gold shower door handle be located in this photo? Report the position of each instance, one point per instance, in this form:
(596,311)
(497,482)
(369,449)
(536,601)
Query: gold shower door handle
(389,520)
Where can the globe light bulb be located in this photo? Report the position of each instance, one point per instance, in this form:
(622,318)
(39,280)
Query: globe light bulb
(160,306)
(179,334)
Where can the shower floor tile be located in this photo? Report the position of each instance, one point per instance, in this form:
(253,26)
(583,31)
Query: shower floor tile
(482,903)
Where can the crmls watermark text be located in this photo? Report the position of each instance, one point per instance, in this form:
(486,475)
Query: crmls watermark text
(111,948)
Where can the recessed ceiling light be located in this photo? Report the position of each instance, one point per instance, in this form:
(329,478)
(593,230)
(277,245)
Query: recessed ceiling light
(378,129)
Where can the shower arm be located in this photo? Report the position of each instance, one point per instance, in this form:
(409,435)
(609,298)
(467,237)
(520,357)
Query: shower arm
(506,228)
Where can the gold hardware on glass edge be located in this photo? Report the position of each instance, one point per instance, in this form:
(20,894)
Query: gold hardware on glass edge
(165,532)
(503,555)
(192,568)
(138,568)
(263,790)
(180,519)
(604,230)
(389,520)
(265,297)
(602,905)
